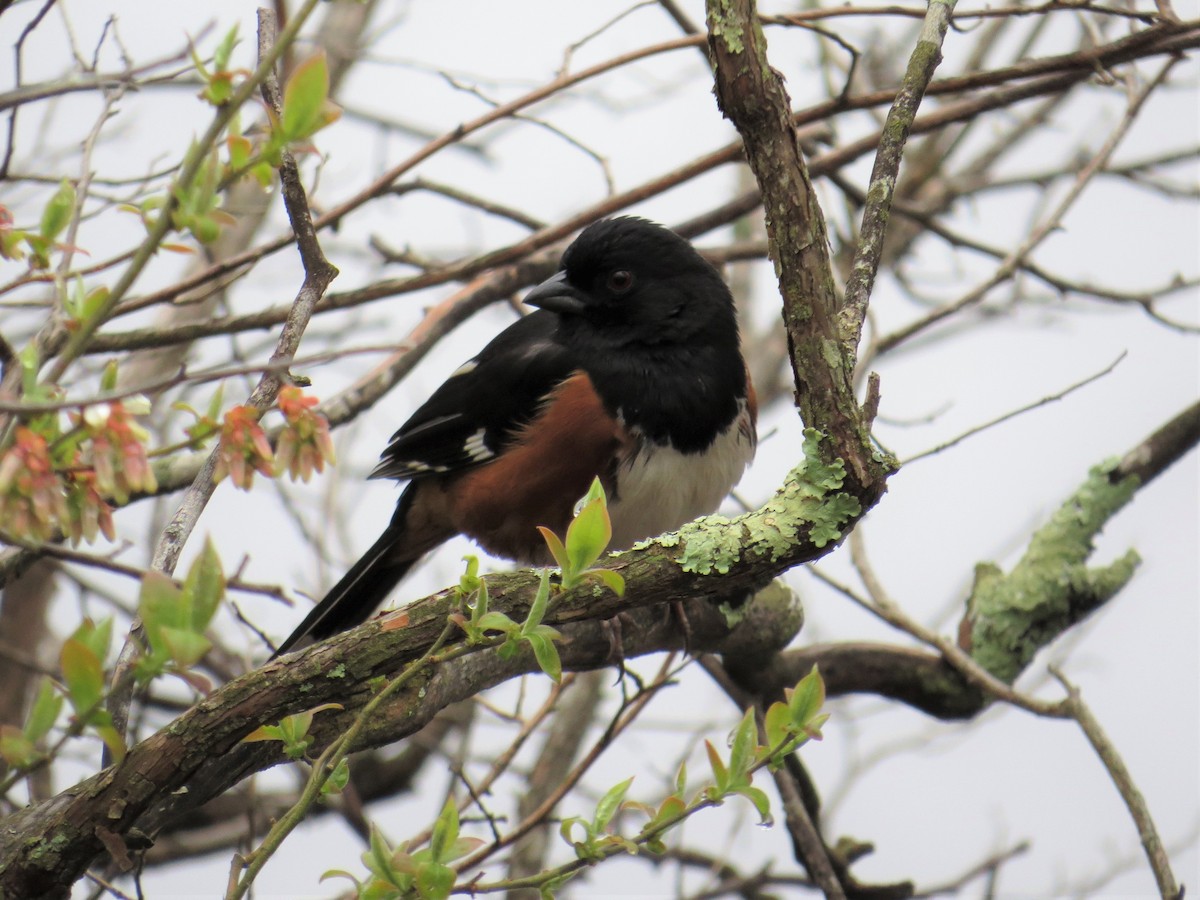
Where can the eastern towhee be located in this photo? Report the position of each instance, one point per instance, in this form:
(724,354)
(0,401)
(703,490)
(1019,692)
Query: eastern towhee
(630,370)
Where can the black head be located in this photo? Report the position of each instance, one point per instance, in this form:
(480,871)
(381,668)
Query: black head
(627,281)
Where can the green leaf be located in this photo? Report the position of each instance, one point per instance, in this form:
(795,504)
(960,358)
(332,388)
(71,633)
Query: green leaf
(214,403)
(479,608)
(497,621)
(379,890)
(160,605)
(224,51)
(378,857)
(83,674)
(240,149)
(510,648)
(468,582)
(761,803)
(609,804)
(590,531)
(537,609)
(111,737)
(304,98)
(263,174)
(338,778)
(39,251)
(807,698)
(108,378)
(434,881)
(566,829)
(778,725)
(96,636)
(614,581)
(160,601)
(595,492)
(557,550)
(745,741)
(720,773)
(15,748)
(204,587)
(185,647)
(205,229)
(94,302)
(546,655)
(672,807)
(58,211)
(551,888)
(445,831)
(44,711)
(341,873)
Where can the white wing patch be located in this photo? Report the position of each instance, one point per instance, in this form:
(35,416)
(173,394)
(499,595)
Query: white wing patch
(661,489)
(475,447)
(417,467)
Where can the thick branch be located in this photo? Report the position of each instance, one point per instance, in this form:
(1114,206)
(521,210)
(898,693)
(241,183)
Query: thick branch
(751,94)
(48,846)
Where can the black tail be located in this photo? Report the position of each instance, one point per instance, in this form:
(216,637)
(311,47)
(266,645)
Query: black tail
(362,589)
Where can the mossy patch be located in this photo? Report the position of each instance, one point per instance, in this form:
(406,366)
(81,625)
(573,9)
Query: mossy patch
(809,506)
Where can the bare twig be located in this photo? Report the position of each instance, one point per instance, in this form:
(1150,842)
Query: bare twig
(10,143)
(1012,414)
(1162,449)
(1168,887)
(810,848)
(1071,67)
(622,720)
(318,273)
(1044,228)
(921,65)
(563,739)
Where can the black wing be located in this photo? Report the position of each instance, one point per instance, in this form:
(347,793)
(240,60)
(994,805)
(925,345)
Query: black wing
(476,412)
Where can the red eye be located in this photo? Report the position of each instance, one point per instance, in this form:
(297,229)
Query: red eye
(620,281)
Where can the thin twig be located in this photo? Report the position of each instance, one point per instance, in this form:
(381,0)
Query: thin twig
(1156,855)
(1012,414)
(1043,229)
(318,273)
(1071,66)
(921,65)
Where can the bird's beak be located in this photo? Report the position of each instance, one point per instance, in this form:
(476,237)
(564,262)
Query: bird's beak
(557,295)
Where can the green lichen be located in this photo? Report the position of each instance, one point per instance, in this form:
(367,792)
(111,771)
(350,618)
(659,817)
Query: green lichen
(338,671)
(1051,588)
(724,26)
(710,544)
(832,352)
(732,614)
(810,505)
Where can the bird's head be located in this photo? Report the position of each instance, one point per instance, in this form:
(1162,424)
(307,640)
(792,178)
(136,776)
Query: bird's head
(629,281)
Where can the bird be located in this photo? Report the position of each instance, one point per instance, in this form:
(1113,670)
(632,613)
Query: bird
(629,369)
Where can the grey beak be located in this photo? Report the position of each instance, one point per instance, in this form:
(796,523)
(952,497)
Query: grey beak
(557,295)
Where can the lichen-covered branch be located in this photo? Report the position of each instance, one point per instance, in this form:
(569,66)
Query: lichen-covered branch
(751,95)
(53,842)
(1010,617)
(200,755)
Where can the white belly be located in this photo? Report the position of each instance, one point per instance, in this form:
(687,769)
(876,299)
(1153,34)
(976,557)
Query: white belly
(661,488)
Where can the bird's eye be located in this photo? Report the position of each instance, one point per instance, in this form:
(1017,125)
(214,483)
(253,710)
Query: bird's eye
(620,281)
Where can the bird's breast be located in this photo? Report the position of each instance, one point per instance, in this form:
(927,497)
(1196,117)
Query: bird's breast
(659,488)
